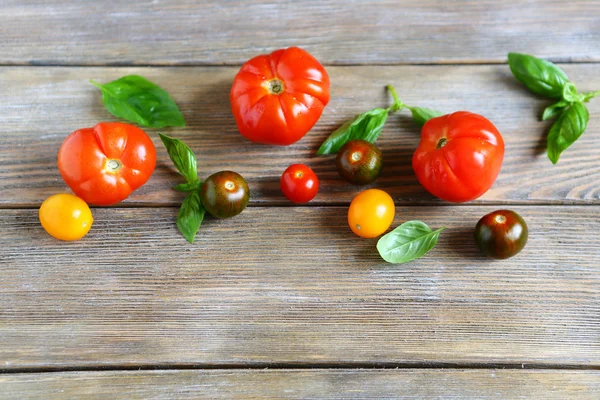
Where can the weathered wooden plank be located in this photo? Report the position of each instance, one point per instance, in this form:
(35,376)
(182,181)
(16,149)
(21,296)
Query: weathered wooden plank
(294,285)
(355,31)
(41,106)
(303,384)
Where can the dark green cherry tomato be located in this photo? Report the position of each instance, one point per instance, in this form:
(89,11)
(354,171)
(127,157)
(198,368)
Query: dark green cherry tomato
(501,234)
(359,162)
(225,194)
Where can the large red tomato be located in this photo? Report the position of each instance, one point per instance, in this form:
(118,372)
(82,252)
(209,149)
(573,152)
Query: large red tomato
(459,156)
(104,164)
(277,98)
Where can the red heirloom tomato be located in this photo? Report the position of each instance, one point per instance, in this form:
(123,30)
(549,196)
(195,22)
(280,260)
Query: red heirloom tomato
(104,164)
(277,98)
(299,183)
(459,156)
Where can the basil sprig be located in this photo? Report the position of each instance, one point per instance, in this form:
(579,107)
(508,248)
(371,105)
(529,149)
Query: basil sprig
(409,241)
(136,99)
(191,213)
(548,80)
(368,125)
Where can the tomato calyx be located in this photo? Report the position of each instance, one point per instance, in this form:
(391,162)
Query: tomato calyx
(275,86)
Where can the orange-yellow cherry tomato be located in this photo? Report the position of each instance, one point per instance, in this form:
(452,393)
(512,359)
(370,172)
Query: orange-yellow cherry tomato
(371,213)
(66,217)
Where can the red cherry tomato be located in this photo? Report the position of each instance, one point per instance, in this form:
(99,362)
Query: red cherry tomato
(299,183)
(104,164)
(459,156)
(277,98)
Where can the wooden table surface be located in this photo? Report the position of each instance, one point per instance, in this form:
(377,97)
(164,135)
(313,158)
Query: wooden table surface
(284,301)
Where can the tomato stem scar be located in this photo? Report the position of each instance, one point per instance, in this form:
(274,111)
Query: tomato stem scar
(229,185)
(356,156)
(275,86)
(441,143)
(113,165)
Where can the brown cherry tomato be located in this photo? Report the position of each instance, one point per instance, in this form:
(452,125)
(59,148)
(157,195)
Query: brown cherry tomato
(501,234)
(359,162)
(225,194)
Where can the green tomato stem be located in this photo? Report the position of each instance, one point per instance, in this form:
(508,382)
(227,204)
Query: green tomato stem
(398,104)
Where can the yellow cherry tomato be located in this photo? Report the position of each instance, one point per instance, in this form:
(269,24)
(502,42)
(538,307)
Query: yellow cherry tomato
(371,212)
(66,217)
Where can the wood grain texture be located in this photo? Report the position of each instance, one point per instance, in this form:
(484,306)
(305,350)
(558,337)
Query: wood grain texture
(355,31)
(41,106)
(294,285)
(305,384)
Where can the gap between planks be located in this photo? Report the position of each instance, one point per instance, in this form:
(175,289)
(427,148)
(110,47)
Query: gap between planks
(35,64)
(433,203)
(301,367)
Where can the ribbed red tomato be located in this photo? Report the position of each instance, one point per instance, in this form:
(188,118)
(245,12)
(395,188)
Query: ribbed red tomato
(459,156)
(104,164)
(277,98)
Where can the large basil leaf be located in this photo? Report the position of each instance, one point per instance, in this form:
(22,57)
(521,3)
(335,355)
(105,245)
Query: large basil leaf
(366,126)
(540,76)
(136,99)
(190,216)
(407,242)
(566,130)
(182,156)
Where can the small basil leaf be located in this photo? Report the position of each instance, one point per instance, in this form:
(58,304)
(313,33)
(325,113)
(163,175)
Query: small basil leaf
(187,187)
(540,76)
(407,242)
(183,158)
(366,126)
(136,99)
(570,93)
(554,110)
(422,115)
(190,216)
(566,130)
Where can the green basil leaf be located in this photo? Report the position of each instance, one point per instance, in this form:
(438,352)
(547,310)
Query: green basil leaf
(188,187)
(566,130)
(183,158)
(540,76)
(407,242)
(190,216)
(136,99)
(422,115)
(366,126)
(554,110)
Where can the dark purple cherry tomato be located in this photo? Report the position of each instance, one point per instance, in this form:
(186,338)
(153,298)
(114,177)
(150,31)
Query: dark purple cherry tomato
(225,194)
(359,162)
(299,183)
(501,234)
